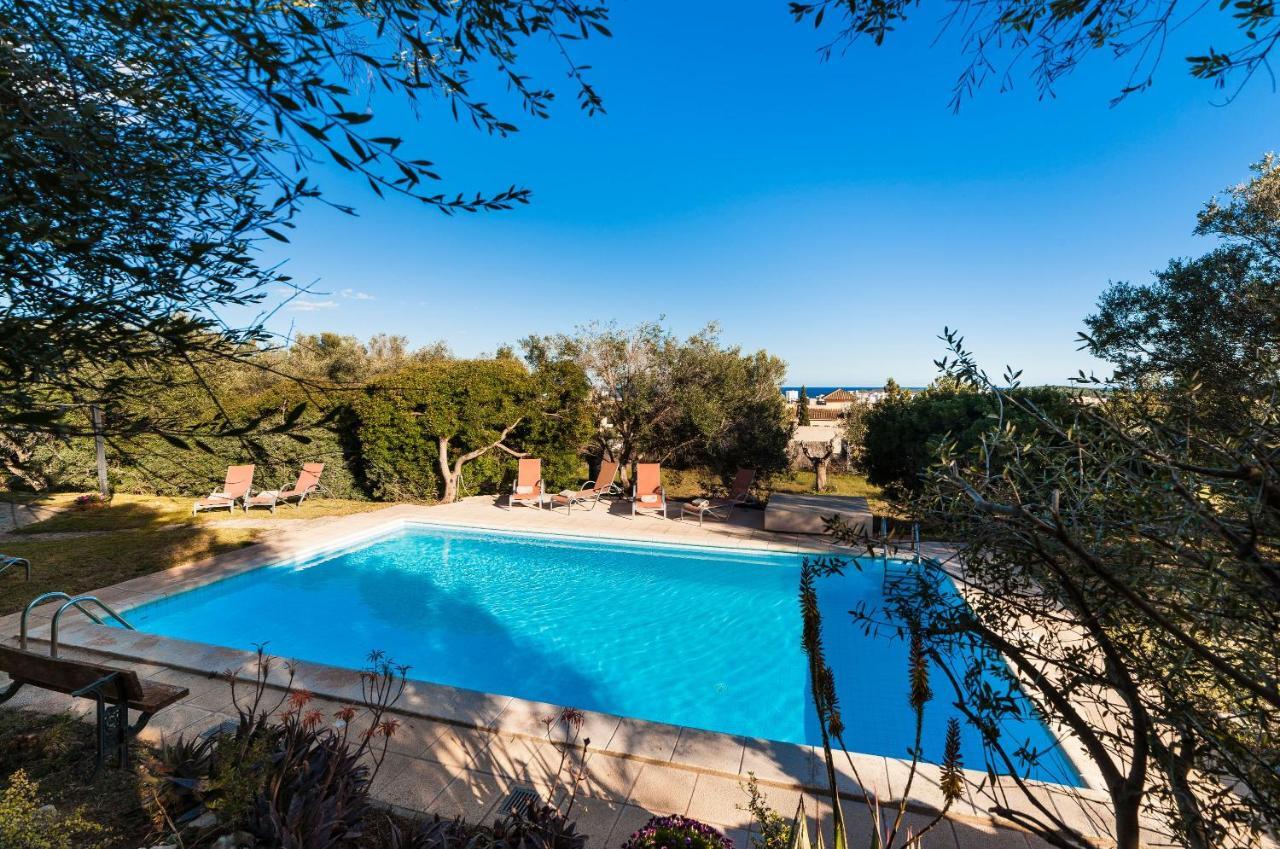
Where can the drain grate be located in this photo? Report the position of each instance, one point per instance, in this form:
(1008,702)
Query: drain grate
(519,801)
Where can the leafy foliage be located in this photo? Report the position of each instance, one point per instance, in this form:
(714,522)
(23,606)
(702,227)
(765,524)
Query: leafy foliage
(25,823)
(1145,549)
(688,402)
(1055,37)
(421,427)
(149,146)
(282,776)
(1212,323)
(771,829)
(287,407)
(903,431)
(1140,534)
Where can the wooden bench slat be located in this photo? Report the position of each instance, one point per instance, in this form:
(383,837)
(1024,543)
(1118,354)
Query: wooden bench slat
(65,675)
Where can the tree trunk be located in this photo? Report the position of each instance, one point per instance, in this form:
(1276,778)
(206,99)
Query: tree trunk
(820,457)
(100,450)
(820,473)
(447,474)
(1128,832)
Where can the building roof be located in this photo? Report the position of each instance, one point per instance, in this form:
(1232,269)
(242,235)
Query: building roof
(840,395)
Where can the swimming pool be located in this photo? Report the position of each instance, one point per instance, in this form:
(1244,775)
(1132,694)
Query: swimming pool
(693,636)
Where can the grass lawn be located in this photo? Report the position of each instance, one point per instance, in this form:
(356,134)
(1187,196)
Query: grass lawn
(134,536)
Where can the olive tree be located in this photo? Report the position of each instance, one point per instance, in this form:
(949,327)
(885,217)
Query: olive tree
(421,427)
(1122,555)
(1144,552)
(1002,39)
(694,401)
(1209,323)
(149,147)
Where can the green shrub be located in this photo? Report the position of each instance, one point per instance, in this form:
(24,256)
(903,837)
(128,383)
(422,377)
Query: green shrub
(397,456)
(27,824)
(903,432)
(149,465)
(473,405)
(772,830)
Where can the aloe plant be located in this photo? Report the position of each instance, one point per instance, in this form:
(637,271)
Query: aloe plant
(831,727)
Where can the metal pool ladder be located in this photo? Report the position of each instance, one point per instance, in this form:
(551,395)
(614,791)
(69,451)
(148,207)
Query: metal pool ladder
(79,602)
(897,573)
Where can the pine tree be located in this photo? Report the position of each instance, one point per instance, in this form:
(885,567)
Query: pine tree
(802,408)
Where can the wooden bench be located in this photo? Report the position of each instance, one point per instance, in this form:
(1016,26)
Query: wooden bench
(116,692)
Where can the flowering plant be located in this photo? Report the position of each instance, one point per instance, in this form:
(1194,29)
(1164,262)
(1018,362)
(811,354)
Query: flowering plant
(92,501)
(677,832)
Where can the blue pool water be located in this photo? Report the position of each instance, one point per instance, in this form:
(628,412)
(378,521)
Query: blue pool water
(708,638)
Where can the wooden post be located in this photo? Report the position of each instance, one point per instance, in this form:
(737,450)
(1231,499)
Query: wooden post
(104,487)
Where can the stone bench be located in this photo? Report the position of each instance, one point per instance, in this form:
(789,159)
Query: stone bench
(804,514)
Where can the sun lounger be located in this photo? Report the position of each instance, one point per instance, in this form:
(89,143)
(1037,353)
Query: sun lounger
(591,491)
(722,508)
(647,492)
(527,489)
(267,498)
(236,488)
(307,483)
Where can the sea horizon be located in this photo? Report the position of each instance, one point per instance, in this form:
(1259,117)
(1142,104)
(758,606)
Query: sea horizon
(814,391)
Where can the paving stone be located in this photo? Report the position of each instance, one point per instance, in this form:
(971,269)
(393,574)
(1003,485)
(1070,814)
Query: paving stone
(473,795)
(604,775)
(709,750)
(719,800)
(649,740)
(971,835)
(174,722)
(411,783)
(531,719)
(413,737)
(857,775)
(596,818)
(926,788)
(783,763)
(662,790)
(459,748)
(630,820)
(529,761)
(741,837)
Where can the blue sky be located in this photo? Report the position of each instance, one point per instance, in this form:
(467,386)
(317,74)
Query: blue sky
(837,214)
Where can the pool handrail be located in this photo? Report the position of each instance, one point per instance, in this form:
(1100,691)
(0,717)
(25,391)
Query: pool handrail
(78,602)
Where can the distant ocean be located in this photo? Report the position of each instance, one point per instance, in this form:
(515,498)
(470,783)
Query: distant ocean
(815,391)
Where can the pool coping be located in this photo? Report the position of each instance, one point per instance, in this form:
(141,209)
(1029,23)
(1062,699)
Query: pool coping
(776,763)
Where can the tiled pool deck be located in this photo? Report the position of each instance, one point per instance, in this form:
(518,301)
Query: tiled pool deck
(460,752)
